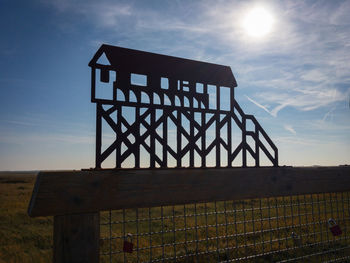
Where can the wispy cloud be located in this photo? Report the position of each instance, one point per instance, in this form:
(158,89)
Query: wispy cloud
(329,114)
(258,104)
(108,15)
(306,99)
(274,111)
(289,128)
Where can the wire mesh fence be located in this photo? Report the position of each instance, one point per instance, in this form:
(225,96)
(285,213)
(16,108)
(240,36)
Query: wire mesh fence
(278,229)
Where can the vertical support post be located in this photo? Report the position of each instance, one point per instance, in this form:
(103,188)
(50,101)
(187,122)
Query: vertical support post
(118,150)
(257,149)
(165,138)
(276,158)
(137,135)
(93,84)
(98,135)
(179,139)
(229,141)
(229,129)
(192,121)
(204,131)
(244,142)
(76,238)
(153,137)
(217,127)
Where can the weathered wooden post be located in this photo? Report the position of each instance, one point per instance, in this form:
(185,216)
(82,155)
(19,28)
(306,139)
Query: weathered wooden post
(76,238)
(75,234)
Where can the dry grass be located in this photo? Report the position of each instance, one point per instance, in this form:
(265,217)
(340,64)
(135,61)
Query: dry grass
(22,239)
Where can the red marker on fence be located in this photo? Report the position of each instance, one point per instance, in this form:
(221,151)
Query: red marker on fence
(334,227)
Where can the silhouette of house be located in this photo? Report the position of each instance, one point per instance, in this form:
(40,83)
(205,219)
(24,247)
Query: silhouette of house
(177,88)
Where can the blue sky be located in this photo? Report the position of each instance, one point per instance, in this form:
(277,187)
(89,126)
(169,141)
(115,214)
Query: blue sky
(295,79)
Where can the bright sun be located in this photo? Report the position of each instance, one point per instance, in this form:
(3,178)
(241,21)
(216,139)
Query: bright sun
(258,22)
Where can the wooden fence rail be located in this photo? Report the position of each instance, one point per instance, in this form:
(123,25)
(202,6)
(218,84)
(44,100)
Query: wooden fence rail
(75,198)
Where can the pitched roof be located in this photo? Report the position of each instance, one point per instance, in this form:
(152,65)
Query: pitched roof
(141,62)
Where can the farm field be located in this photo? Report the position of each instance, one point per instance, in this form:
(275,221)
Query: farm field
(250,230)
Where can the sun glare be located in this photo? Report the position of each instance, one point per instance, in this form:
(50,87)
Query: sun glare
(258,22)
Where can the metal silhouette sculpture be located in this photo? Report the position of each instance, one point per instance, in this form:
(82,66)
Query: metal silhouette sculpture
(174,91)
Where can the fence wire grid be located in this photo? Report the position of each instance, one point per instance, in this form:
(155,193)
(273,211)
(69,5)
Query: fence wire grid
(278,229)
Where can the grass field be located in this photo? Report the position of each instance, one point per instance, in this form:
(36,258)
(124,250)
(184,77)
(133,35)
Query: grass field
(213,231)
(22,239)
